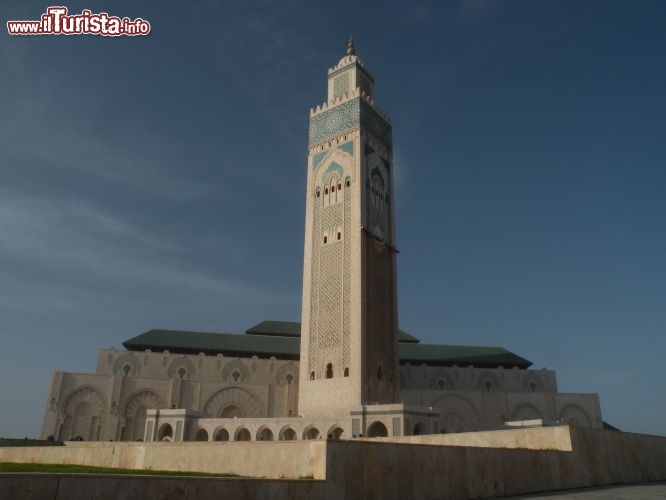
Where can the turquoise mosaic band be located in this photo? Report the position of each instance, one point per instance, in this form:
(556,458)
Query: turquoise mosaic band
(346,117)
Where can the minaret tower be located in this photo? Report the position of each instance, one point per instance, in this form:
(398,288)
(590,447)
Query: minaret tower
(349,345)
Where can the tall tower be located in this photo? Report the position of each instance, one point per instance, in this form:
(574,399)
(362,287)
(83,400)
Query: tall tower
(349,345)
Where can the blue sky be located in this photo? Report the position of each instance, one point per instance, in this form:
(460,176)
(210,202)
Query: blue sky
(159,181)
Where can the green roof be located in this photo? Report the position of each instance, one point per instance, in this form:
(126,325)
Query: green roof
(230,344)
(277,328)
(461,355)
(265,340)
(293,329)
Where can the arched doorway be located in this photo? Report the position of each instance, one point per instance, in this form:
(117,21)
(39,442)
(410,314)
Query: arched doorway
(287,434)
(242,434)
(234,402)
(265,434)
(202,435)
(377,429)
(221,434)
(418,429)
(311,433)
(335,432)
(165,433)
(83,415)
(135,414)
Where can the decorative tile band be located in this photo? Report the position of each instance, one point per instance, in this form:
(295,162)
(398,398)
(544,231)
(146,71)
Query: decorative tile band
(347,116)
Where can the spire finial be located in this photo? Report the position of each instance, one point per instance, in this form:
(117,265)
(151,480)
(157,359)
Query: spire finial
(350,47)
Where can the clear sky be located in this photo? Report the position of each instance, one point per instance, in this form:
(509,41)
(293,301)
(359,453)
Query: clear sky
(159,181)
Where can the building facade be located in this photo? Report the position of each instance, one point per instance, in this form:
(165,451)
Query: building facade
(346,370)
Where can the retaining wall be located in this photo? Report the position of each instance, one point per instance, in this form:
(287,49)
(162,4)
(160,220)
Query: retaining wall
(275,459)
(117,487)
(359,469)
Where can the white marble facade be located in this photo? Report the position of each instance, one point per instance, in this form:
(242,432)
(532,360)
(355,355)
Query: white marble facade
(263,394)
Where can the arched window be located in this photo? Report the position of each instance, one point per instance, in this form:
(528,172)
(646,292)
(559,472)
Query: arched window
(339,186)
(333,189)
(182,372)
(318,192)
(346,372)
(202,435)
(290,378)
(347,182)
(339,235)
(329,370)
(311,375)
(127,369)
(380,373)
(325,239)
(326,191)
(235,376)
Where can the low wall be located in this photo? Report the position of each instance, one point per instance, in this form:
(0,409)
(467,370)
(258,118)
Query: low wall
(117,487)
(372,469)
(420,471)
(277,459)
(537,438)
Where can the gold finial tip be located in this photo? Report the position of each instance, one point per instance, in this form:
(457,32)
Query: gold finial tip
(350,47)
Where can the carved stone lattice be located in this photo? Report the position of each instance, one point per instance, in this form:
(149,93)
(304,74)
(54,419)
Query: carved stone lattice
(346,287)
(331,271)
(314,285)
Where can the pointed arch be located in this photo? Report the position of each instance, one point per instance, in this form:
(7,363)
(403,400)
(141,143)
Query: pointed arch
(202,435)
(221,434)
(236,371)
(84,412)
(574,415)
(165,433)
(247,403)
(335,432)
(526,411)
(281,376)
(377,429)
(264,433)
(334,169)
(242,434)
(134,413)
(311,432)
(127,360)
(182,368)
(287,434)
(457,413)
(533,383)
(487,381)
(441,380)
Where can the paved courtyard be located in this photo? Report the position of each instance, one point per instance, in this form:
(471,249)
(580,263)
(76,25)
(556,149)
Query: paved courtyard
(646,491)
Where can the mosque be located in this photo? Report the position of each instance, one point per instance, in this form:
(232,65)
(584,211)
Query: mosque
(345,371)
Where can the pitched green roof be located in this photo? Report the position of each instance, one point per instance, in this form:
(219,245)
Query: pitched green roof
(293,329)
(230,344)
(287,346)
(446,355)
(278,328)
